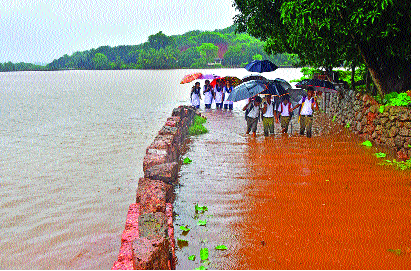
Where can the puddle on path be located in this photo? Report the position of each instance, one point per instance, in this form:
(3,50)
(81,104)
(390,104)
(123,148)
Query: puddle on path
(290,202)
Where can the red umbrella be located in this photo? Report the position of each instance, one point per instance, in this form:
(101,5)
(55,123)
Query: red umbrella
(191,77)
(233,80)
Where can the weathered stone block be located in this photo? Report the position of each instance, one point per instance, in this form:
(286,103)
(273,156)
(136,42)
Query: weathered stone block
(152,159)
(169,130)
(152,225)
(359,116)
(404,132)
(399,141)
(151,253)
(393,131)
(389,142)
(152,195)
(173,121)
(167,172)
(402,154)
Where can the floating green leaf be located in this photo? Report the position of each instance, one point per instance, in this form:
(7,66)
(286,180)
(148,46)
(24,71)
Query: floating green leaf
(191,258)
(187,160)
(204,253)
(334,118)
(184,228)
(367,143)
(201,268)
(395,251)
(348,124)
(221,247)
(201,208)
(202,222)
(380,155)
(182,240)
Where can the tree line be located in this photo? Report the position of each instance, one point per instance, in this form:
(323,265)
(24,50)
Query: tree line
(194,49)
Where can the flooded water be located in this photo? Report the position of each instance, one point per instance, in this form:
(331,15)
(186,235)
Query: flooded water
(71,150)
(291,202)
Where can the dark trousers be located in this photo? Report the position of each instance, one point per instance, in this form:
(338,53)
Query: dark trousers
(306,123)
(251,125)
(225,106)
(219,105)
(208,106)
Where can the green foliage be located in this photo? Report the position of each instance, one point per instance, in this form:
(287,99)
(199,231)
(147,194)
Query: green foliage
(221,247)
(197,128)
(200,268)
(401,99)
(367,143)
(204,254)
(330,34)
(100,61)
(202,222)
(208,51)
(187,161)
(380,155)
(191,258)
(184,229)
(395,251)
(201,209)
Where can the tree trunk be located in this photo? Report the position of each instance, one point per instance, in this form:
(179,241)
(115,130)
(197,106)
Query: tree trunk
(373,68)
(353,70)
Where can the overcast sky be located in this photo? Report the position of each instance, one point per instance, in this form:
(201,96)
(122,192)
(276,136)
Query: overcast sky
(39,31)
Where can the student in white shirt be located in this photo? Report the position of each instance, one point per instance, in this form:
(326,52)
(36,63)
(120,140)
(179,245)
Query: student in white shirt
(218,90)
(268,115)
(284,111)
(208,94)
(227,90)
(252,114)
(195,95)
(308,105)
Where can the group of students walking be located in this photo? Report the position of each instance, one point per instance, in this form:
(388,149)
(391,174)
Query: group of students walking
(218,95)
(271,112)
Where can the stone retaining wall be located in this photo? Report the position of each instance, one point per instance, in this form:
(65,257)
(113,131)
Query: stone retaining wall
(391,128)
(148,241)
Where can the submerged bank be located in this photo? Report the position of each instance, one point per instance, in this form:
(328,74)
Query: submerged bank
(290,202)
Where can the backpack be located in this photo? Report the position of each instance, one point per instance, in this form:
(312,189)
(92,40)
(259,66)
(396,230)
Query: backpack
(249,110)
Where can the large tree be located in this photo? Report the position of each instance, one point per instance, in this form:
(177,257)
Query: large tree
(328,33)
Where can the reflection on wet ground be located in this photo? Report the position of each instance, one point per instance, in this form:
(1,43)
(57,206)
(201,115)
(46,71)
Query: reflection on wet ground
(289,202)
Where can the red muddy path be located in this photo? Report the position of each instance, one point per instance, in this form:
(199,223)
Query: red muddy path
(292,202)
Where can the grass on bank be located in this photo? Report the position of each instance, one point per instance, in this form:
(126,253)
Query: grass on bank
(197,128)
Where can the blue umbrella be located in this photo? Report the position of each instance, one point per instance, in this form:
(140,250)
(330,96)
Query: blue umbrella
(261,66)
(247,90)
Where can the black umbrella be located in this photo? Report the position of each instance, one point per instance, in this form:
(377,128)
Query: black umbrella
(261,66)
(318,85)
(253,77)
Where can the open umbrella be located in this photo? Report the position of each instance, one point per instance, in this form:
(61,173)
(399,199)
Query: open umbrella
(318,85)
(190,77)
(261,66)
(208,76)
(283,83)
(247,90)
(296,94)
(253,77)
(233,80)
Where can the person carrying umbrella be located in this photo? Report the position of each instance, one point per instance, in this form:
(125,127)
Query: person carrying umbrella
(308,104)
(208,93)
(284,112)
(195,95)
(268,116)
(252,114)
(218,98)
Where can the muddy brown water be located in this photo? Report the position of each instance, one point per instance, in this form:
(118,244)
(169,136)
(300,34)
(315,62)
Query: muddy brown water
(289,202)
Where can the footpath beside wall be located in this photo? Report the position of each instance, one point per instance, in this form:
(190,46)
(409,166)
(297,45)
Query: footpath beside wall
(361,114)
(147,241)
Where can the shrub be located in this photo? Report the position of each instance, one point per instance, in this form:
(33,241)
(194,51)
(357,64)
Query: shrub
(197,128)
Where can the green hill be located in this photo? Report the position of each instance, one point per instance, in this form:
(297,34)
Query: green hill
(194,49)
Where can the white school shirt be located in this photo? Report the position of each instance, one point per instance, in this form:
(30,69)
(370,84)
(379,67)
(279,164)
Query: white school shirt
(208,96)
(284,110)
(270,110)
(306,108)
(227,95)
(219,95)
(254,112)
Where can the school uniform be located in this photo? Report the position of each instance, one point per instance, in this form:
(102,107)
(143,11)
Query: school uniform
(285,117)
(305,115)
(195,97)
(218,96)
(208,96)
(252,118)
(268,118)
(227,92)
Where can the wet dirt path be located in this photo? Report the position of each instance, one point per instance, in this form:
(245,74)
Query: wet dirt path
(291,202)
